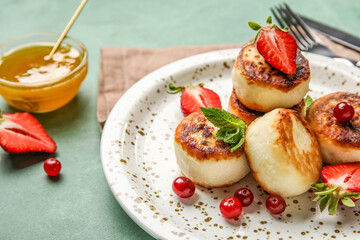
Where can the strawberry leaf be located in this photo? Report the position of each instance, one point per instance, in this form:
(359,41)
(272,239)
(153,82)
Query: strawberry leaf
(327,191)
(319,198)
(269,21)
(347,202)
(319,186)
(254,26)
(354,195)
(333,203)
(324,202)
(174,89)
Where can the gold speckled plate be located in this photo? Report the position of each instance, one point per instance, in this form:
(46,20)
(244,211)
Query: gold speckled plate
(139,162)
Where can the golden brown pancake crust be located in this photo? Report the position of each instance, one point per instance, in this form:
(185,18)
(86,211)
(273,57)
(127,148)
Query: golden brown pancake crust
(258,71)
(196,135)
(286,141)
(321,119)
(238,109)
(248,115)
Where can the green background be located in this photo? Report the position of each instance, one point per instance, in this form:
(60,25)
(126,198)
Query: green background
(80,205)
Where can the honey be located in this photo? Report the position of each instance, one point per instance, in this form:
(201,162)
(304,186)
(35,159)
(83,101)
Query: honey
(31,82)
(31,64)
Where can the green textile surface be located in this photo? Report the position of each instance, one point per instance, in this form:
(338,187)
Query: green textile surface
(80,204)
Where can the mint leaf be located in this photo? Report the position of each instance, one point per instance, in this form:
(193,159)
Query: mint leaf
(348,202)
(308,101)
(231,129)
(233,137)
(239,144)
(221,118)
(269,20)
(254,26)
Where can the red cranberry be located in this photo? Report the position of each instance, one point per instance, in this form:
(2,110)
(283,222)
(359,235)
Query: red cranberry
(183,187)
(275,204)
(230,208)
(344,112)
(245,196)
(52,166)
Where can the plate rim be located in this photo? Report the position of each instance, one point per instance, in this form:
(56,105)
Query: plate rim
(226,53)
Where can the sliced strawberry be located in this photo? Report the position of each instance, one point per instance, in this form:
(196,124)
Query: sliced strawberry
(277,46)
(345,175)
(279,49)
(341,183)
(21,133)
(194,97)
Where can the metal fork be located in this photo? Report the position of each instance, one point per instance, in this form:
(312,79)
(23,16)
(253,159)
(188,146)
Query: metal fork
(306,40)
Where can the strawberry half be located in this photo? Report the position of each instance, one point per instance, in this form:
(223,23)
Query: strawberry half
(277,46)
(341,183)
(194,97)
(22,133)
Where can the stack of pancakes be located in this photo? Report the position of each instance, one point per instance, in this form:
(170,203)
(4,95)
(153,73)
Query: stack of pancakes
(280,149)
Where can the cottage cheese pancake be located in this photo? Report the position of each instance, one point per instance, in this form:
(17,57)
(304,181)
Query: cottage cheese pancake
(263,88)
(202,158)
(339,141)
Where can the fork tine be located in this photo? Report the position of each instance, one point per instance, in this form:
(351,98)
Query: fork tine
(282,25)
(304,35)
(303,45)
(301,23)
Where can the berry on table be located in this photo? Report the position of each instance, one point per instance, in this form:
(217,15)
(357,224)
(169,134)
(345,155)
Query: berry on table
(52,166)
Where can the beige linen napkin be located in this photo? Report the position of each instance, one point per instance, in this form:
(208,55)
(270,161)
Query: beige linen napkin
(121,67)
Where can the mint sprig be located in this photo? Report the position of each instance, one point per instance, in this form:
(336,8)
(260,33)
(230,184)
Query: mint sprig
(308,102)
(231,129)
(256,27)
(329,196)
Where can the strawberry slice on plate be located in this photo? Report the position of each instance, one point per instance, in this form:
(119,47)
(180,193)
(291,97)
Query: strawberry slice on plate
(194,97)
(277,46)
(341,183)
(22,133)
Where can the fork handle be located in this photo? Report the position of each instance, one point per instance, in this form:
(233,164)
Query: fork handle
(324,51)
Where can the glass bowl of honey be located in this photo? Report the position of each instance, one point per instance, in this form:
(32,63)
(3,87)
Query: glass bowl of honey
(31,81)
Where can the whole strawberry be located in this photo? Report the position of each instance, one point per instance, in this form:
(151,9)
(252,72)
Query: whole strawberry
(276,45)
(194,97)
(341,183)
(22,133)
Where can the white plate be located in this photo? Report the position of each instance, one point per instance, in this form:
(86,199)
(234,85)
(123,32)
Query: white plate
(139,162)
